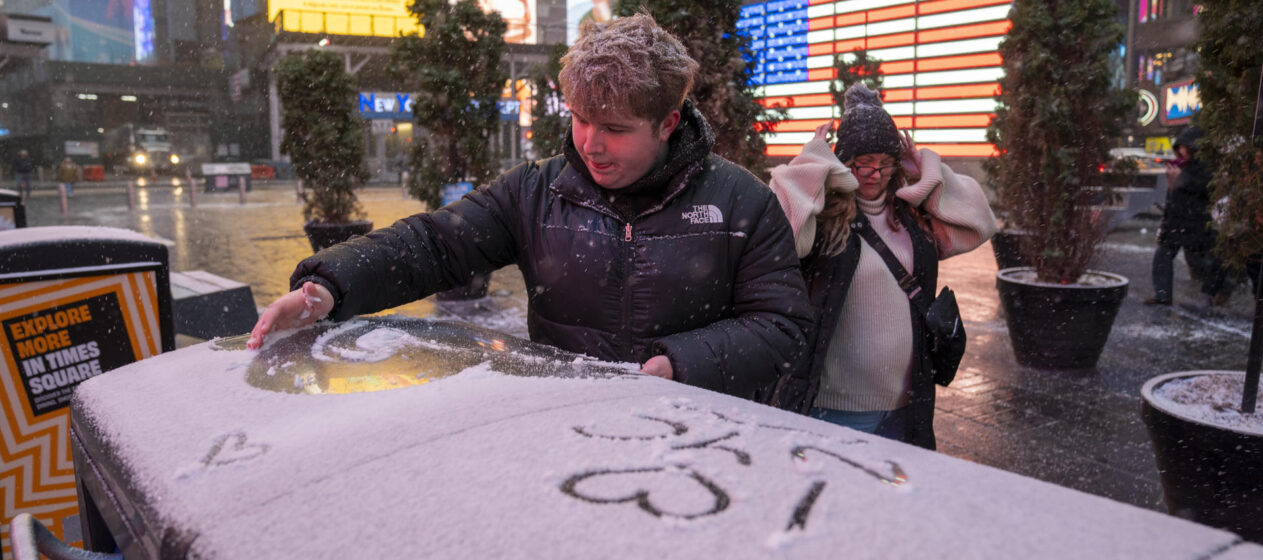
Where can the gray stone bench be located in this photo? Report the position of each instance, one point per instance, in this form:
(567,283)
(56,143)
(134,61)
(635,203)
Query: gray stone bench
(207,306)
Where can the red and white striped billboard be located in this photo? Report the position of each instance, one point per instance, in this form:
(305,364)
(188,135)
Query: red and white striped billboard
(940,65)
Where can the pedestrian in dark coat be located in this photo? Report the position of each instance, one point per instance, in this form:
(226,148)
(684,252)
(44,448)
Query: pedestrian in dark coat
(870,369)
(23,166)
(636,245)
(1185,220)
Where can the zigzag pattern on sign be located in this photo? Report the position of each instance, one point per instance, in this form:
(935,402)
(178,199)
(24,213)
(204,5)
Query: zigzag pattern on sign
(36,469)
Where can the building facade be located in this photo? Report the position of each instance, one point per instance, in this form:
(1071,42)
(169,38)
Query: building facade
(112,68)
(200,71)
(1161,63)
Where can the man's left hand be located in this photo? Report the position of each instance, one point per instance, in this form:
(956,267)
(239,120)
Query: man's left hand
(658,366)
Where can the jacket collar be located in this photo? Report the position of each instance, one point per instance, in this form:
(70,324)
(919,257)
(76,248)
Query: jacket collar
(686,150)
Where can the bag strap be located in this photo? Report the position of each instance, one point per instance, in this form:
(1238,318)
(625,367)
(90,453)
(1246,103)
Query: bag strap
(907,281)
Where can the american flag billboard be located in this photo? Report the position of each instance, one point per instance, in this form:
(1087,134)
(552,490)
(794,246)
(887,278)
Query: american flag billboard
(939,62)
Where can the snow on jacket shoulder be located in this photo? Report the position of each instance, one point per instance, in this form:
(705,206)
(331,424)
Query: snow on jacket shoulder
(707,277)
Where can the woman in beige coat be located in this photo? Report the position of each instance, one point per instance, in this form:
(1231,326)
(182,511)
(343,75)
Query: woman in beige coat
(870,369)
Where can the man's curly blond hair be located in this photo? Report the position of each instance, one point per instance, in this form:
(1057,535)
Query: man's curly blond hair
(629,66)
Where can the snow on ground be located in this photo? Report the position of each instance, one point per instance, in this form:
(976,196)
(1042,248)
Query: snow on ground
(1127,248)
(487,463)
(1160,331)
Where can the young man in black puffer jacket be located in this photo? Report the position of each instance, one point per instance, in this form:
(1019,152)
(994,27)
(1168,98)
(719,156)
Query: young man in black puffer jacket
(637,244)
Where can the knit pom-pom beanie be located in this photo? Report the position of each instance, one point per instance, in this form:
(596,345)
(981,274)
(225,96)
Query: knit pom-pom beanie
(866,128)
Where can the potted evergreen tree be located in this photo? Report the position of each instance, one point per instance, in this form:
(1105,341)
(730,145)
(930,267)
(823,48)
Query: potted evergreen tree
(1206,427)
(549,117)
(324,139)
(1058,113)
(456,75)
(850,70)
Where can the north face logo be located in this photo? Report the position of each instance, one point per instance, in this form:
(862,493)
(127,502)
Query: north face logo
(704,214)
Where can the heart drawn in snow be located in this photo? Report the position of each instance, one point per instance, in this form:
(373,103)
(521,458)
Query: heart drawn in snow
(232,448)
(677,492)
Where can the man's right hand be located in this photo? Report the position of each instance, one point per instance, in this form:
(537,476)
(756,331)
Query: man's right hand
(298,308)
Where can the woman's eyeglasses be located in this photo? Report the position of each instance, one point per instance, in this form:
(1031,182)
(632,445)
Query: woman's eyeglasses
(867,171)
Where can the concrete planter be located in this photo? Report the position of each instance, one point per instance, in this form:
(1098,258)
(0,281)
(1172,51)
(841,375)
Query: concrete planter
(1211,474)
(322,234)
(1054,326)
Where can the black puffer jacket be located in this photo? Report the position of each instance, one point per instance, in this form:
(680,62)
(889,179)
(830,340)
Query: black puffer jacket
(707,275)
(1187,210)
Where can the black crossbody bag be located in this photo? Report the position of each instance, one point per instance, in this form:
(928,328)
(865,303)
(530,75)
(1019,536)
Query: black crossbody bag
(944,331)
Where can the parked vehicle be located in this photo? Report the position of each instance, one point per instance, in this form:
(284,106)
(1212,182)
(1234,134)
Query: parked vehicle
(140,150)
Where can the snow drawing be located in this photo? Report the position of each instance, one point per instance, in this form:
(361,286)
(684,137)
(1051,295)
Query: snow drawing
(375,354)
(233,448)
(678,478)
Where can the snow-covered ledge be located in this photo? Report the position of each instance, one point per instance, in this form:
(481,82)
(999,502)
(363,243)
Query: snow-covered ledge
(483,464)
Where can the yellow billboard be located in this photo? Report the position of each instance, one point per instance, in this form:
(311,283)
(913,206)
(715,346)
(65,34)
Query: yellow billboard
(381,18)
(387,18)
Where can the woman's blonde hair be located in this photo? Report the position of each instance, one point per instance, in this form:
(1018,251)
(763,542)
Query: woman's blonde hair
(835,221)
(629,66)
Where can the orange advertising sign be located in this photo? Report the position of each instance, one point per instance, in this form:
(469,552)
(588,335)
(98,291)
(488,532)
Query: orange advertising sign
(55,334)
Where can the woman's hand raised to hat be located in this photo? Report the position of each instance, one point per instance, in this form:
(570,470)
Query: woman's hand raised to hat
(909,157)
(822,131)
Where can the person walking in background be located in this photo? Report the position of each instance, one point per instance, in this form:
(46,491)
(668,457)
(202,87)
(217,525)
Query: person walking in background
(1184,222)
(637,244)
(68,173)
(870,369)
(23,166)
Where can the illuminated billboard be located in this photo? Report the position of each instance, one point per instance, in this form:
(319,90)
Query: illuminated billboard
(388,18)
(940,65)
(1180,101)
(580,11)
(99,32)
(519,16)
(382,18)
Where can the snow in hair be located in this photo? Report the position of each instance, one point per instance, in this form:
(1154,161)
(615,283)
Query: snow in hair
(630,65)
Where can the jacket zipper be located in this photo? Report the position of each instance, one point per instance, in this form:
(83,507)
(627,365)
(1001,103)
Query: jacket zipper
(628,271)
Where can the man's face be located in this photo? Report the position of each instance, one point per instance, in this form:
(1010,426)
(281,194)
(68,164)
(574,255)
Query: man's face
(620,149)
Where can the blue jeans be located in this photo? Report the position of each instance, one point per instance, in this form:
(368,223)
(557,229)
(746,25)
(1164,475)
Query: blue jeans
(890,424)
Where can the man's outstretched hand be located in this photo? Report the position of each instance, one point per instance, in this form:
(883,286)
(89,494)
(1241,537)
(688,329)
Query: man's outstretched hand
(658,366)
(300,307)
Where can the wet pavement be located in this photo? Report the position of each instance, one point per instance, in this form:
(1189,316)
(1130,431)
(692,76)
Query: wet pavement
(1079,429)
